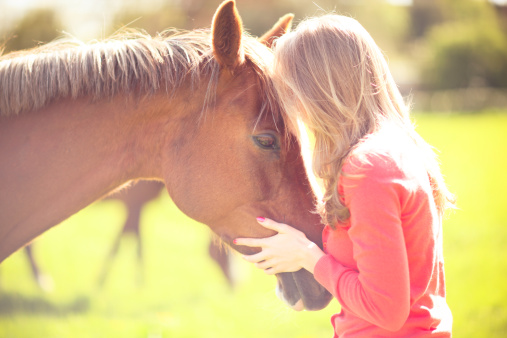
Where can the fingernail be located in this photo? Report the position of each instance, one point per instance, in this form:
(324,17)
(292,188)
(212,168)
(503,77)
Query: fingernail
(261,219)
(235,241)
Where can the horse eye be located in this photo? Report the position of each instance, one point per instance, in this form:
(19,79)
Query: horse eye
(266,141)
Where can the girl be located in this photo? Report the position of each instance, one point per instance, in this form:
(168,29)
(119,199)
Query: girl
(384,195)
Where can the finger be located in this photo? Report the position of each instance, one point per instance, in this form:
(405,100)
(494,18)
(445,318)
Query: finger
(264,265)
(271,271)
(255,258)
(270,224)
(252,242)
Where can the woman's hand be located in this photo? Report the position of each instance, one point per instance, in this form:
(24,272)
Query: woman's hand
(287,251)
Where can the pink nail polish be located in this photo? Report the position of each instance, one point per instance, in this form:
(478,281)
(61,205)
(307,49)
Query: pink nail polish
(261,219)
(235,241)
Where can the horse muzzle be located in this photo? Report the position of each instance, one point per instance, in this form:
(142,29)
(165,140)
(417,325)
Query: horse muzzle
(300,291)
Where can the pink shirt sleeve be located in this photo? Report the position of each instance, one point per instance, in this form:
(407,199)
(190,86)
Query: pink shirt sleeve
(378,291)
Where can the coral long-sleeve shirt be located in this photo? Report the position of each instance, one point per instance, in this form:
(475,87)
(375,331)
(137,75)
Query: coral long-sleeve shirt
(385,264)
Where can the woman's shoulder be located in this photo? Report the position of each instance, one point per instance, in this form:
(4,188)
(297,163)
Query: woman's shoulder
(387,152)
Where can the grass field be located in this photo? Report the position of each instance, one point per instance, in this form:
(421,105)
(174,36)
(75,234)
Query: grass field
(185,295)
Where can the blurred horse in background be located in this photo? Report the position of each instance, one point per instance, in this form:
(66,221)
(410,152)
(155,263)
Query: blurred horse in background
(195,109)
(43,280)
(135,198)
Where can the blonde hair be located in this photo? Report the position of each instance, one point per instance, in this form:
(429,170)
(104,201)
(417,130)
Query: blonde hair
(331,75)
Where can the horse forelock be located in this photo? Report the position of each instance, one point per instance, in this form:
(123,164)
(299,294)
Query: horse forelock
(130,62)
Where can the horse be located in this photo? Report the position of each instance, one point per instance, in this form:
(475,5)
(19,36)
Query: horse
(134,198)
(196,110)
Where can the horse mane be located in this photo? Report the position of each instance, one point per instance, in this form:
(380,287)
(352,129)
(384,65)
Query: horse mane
(128,62)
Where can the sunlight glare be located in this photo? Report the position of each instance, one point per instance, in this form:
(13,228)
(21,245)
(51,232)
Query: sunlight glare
(307,146)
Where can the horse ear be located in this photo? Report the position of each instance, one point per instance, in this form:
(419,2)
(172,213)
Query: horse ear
(280,28)
(227,30)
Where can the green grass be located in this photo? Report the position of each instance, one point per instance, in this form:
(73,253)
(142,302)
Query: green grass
(473,152)
(185,295)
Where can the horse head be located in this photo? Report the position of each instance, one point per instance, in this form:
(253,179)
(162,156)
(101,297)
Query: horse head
(237,161)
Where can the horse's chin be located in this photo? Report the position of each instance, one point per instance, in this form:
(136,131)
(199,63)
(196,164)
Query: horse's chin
(298,306)
(300,291)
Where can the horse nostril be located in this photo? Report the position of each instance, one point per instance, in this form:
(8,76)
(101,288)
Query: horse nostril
(279,292)
(291,300)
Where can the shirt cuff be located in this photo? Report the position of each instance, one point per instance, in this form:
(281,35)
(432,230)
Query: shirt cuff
(328,272)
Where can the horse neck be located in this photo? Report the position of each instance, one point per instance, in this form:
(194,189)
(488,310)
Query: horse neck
(69,154)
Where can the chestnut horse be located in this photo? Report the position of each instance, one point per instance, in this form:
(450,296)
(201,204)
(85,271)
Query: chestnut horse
(193,109)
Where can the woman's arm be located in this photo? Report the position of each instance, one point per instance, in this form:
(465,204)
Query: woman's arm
(378,291)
